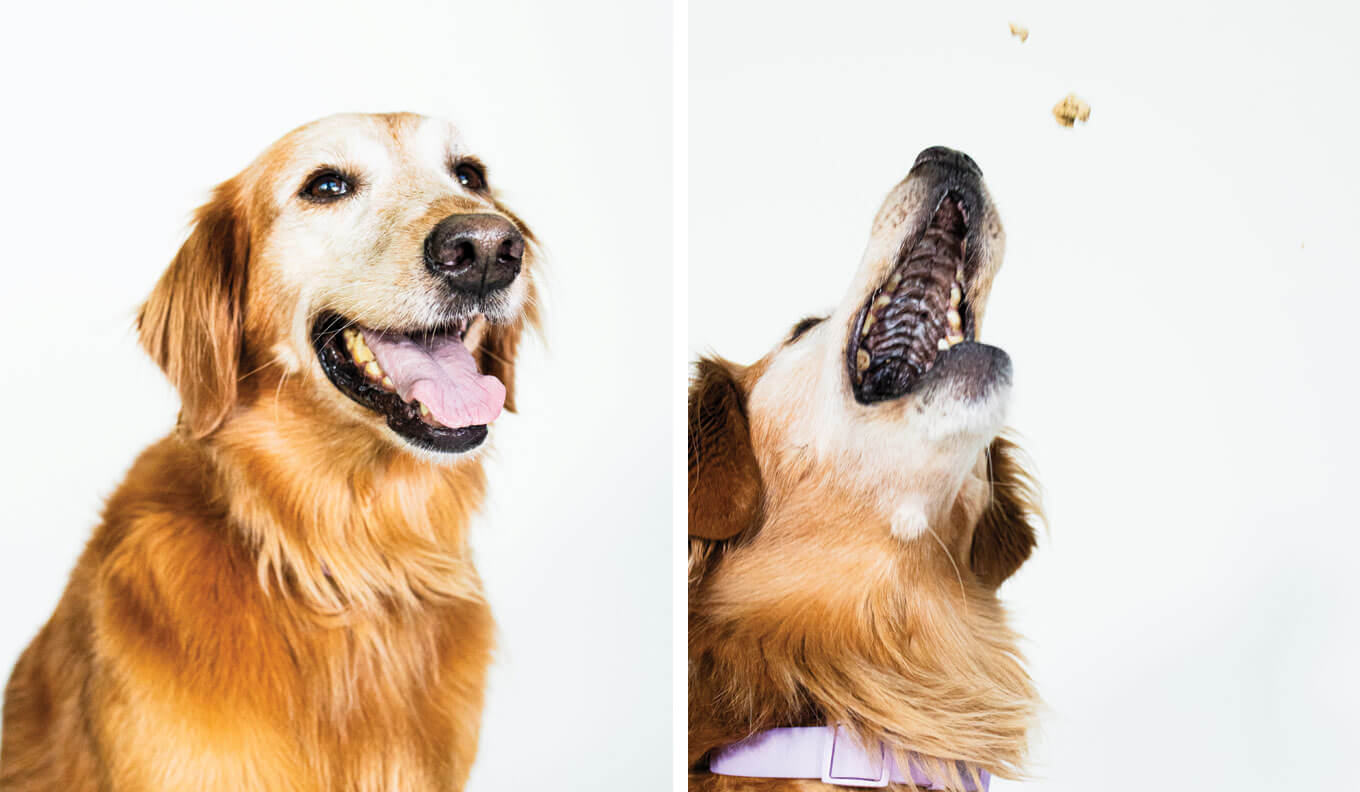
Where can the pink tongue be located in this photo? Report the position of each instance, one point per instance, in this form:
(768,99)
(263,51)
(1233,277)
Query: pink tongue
(440,374)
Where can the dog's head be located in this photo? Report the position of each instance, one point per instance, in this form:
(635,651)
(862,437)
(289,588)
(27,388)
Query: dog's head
(365,259)
(890,403)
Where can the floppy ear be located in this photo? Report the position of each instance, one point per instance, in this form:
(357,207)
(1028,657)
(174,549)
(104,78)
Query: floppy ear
(191,325)
(1004,537)
(724,478)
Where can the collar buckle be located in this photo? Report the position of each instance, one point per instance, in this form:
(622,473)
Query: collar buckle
(847,763)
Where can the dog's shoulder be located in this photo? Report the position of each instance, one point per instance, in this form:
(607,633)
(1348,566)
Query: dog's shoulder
(166,578)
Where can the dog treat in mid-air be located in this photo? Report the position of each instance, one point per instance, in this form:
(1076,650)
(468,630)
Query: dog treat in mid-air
(1020,31)
(1071,110)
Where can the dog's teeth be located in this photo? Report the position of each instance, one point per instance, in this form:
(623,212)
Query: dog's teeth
(881,301)
(944,344)
(388,384)
(955,338)
(426,415)
(958,274)
(868,323)
(955,295)
(955,321)
(894,281)
(358,350)
(373,371)
(861,360)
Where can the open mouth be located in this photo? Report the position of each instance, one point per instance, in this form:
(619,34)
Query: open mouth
(921,312)
(425,383)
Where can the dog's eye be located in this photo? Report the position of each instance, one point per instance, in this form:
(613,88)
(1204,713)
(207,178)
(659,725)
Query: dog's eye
(803,326)
(327,186)
(470,175)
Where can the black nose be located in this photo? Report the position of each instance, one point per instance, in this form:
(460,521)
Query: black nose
(475,253)
(949,158)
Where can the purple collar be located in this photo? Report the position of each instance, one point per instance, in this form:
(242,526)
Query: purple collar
(825,752)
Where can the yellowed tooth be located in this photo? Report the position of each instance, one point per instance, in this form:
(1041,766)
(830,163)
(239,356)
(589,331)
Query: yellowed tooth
(955,295)
(881,301)
(943,344)
(955,321)
(861,360)
(894,281)
(388,384)
(424,411)
(958,274)
(868,323)
(358,350)
(955,338)
(373,371)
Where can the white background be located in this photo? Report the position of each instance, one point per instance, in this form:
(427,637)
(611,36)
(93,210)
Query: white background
(1178,299)
(118,118)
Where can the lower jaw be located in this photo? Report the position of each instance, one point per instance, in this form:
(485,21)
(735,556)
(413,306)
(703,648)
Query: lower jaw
(969,371)
(441,439)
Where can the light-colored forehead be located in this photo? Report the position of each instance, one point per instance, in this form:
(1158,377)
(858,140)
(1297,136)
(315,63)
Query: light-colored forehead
(361,144)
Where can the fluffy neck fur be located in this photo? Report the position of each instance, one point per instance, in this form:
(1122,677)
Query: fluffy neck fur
(810,620)
(341,522)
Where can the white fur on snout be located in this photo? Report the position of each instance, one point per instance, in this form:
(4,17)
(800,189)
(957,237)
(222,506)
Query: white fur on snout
(363,255)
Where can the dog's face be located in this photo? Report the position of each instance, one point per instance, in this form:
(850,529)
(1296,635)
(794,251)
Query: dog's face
(887,403)
(368,257)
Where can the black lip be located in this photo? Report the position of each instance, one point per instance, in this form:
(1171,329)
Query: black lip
(968,372)
(403,418)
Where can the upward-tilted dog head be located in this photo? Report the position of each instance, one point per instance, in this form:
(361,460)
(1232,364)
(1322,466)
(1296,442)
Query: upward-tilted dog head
(889,402)
(853,507)
(366,257)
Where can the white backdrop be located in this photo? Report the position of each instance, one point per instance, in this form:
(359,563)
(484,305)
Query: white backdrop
(1177,298)
(119,117)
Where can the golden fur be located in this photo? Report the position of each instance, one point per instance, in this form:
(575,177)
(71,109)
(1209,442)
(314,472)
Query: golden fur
(280,594)
(815,594)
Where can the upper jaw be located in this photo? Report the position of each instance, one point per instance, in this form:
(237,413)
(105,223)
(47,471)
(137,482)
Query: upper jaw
(916,307)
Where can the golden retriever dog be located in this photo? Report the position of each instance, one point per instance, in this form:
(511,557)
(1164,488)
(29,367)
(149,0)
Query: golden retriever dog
(853,508)
(280,595)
